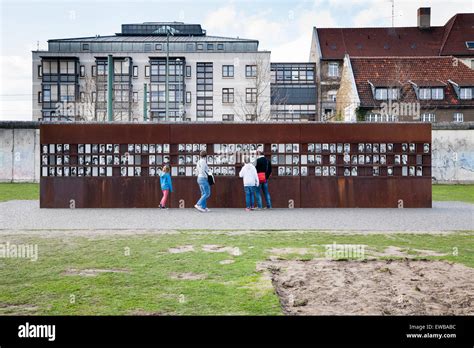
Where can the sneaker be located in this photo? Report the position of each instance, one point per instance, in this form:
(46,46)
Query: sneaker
(199,208)
(207,210)
(248,209)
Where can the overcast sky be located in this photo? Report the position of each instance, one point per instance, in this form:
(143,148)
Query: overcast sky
(282,26)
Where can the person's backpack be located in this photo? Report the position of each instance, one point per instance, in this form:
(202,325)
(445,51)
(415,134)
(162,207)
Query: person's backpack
(210,179)
(262,176)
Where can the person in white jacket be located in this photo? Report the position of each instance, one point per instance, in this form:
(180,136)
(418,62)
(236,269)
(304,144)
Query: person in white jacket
(250,176)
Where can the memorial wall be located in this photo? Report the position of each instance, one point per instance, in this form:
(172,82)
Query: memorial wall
(313,165)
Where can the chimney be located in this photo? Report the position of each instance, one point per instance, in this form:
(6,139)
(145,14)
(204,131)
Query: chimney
(424,17)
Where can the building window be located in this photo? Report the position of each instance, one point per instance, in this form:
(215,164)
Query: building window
(251,95)
(220,47)
(94,97)
(200,47)
(227,95)
(82,71)
(210,47)
(227,71)
(85,47)
(135,97)
(428,117)
(188,97)
(40,70)
(458,117)
(50,93)
(381,94)
(431,93)
(40,97)
(94,71)
(424,93)
(332,96)
(68,92)
(147,71)
(158,47)
(392,93)
(250,71)
(373,117)
(204,91)
(437,94)
(188,70)
(135,71)
(465,93)
(67,67)
(250,117)
(333,69)
(228,117)
(147,47)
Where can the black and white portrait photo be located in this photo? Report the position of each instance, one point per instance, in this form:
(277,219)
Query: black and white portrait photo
(317,171)
(426,148)
(397,160)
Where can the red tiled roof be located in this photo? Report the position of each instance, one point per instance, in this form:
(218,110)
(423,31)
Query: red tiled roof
(422,70)
(460,29)
(449,39)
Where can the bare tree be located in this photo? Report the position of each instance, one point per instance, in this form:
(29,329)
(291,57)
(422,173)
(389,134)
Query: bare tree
(253,104)
(86,108)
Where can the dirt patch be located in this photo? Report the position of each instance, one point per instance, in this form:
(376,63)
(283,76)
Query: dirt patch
(287,251)
(402,287)
(393,251)
(93,271)
(17,309)
(181,249)
(212,248)
(141,312)
(226,262)
(188,276)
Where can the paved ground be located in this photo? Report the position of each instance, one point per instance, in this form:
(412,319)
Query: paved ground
(444,216)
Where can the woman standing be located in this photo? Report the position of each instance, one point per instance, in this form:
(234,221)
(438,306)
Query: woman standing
(202,179)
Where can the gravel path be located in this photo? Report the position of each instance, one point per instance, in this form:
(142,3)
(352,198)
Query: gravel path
(444,216)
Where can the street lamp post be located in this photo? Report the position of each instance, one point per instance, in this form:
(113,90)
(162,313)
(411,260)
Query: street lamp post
(167,72)
(178,66)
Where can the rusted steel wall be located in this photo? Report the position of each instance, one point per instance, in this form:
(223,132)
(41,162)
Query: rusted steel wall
(112,190)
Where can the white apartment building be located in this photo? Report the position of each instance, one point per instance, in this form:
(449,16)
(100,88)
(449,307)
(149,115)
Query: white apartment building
(209,77)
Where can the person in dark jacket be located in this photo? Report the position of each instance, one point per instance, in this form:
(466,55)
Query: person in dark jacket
(264,170)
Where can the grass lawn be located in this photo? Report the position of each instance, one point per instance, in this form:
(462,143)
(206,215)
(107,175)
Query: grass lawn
(12,191)
(149,285)
(462,193)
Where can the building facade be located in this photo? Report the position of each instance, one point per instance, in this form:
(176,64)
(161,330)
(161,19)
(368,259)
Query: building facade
(330,45)
(391,89)
(209,77)
(293,92)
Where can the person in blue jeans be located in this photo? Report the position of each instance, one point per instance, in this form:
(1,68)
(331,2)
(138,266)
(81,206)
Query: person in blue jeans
(249,175)
(264,170)
(202,180)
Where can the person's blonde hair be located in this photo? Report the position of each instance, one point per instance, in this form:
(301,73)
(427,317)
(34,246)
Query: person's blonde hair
(166,168)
